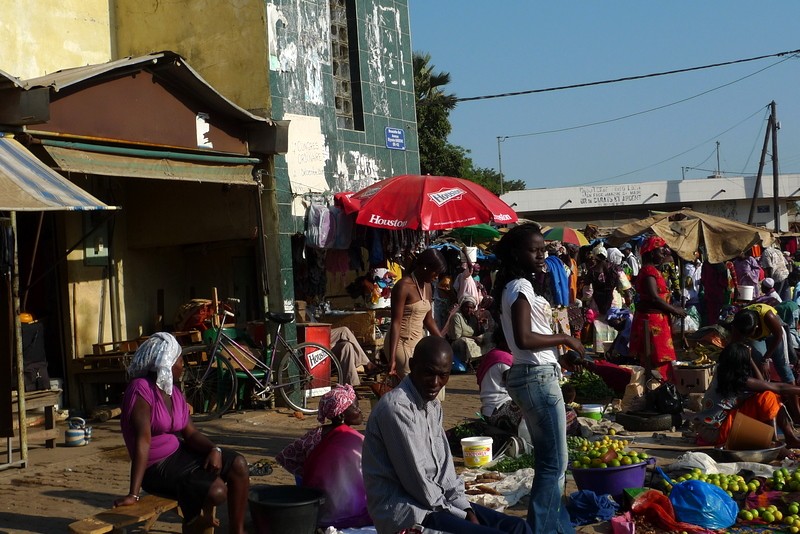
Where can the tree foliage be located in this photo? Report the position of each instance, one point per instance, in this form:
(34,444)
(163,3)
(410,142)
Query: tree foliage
(437,156)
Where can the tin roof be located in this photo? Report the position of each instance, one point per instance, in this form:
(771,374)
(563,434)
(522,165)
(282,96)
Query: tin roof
(169,66)
(7,80)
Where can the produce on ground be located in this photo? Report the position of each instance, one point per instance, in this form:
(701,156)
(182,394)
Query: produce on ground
(589,385)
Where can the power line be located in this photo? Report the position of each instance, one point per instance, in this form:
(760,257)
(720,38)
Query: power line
(650,110)
(625,79)
(676,155)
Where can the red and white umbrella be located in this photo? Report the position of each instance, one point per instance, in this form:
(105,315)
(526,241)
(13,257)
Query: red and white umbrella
(428,203)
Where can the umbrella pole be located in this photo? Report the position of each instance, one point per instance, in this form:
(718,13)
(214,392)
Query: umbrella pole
(682,285)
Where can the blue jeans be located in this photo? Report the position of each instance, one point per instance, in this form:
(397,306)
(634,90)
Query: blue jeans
(491,522)
(780,358)
(536,391)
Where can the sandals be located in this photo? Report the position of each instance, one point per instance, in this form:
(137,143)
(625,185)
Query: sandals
(375,370)
(260,468)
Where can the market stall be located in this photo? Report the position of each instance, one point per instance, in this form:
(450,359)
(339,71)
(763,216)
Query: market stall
(351,253)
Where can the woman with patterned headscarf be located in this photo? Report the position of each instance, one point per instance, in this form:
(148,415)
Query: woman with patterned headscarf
(329,458)
(191,469)
(651,332)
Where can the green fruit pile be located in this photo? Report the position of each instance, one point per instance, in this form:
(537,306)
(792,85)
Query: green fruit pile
(603,453)
(730,484)
(772,515)
(783,480)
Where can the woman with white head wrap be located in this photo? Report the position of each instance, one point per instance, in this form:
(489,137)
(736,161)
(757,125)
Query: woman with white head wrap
(193,470)
(615,256)
(466,331)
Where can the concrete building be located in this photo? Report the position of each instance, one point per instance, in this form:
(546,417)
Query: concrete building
(614,205)
(339,71)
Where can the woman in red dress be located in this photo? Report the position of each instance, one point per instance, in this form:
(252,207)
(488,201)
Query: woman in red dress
(652,313)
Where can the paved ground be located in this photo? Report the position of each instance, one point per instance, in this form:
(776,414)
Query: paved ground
(68,483)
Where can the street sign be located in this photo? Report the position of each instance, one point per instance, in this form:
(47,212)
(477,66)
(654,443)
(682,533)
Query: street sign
(395,138)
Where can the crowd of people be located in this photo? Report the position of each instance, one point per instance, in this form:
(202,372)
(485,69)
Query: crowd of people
(519,321)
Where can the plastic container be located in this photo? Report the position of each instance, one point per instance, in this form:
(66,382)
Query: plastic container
(477,451)
(58,383)
(612,480)
(281,509)
(746,292)
(749,434)
(592,411)
(472,253)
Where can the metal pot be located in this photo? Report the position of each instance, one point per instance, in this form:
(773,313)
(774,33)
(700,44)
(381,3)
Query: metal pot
(78,434)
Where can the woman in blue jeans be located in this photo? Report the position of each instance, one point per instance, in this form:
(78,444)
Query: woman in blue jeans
(533,380)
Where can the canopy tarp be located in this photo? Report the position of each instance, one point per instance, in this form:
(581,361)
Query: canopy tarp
(686,230)
(27,184)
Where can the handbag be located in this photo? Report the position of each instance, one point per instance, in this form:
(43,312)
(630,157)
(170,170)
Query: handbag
(384,386)
(664,398)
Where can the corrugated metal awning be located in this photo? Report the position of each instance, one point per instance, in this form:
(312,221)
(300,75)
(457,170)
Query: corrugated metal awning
(27,184)
(74,160)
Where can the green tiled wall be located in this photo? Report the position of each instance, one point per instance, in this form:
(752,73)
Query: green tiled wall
(289,95)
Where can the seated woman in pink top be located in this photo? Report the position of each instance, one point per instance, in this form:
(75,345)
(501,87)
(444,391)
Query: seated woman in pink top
(169,456)
(329,458)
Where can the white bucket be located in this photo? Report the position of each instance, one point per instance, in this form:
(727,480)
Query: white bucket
(472,254)
(477,451)
(746,292)
(592,411)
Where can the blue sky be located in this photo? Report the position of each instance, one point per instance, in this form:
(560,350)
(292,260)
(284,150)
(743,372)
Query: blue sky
(500,46)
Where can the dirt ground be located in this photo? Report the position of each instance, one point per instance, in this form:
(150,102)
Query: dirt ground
(65,484)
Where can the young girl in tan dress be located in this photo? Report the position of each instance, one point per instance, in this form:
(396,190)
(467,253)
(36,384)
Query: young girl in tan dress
(411,310)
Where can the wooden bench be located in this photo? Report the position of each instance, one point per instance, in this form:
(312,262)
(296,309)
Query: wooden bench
(36,400)
(147,510)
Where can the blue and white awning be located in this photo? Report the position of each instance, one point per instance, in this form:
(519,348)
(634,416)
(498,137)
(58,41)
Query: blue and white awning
(27,184)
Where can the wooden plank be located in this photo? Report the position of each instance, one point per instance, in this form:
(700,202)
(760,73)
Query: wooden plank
(36,399)
(148,507)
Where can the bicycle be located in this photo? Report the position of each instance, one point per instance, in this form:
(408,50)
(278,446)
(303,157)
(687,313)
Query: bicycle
(305,371)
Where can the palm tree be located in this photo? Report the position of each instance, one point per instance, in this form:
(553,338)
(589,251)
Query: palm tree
(436,155)
(428,84)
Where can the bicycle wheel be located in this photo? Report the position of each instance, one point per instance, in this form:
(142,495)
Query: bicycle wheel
(300,387)
(209,391)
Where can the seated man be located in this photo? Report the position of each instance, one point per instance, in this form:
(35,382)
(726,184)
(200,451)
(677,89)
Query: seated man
(407,465)
(346,348)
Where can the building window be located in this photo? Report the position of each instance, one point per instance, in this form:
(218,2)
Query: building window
(345,62)
(763,209)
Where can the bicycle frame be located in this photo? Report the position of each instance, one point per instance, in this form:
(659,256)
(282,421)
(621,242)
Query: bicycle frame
(213,390)
(267,385)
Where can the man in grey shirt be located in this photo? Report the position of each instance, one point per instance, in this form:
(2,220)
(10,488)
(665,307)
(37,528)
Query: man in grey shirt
(408,470)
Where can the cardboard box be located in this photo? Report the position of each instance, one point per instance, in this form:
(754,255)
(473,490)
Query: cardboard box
(692,379)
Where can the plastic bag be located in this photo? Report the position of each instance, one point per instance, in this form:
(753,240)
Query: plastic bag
(665,398)
(656,508)
(701,503)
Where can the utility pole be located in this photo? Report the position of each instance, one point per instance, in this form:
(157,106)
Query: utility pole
(757,186)
(718,174)
(500,139)
(775,192)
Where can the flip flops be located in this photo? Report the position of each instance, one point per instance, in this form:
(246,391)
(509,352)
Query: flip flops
(375,370)
(260,468)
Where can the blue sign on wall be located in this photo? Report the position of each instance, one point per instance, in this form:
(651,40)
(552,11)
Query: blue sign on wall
(395,138)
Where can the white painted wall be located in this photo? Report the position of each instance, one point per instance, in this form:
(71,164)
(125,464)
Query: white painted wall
(726,196)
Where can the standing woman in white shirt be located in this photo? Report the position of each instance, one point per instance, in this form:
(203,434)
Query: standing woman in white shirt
(533,380)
